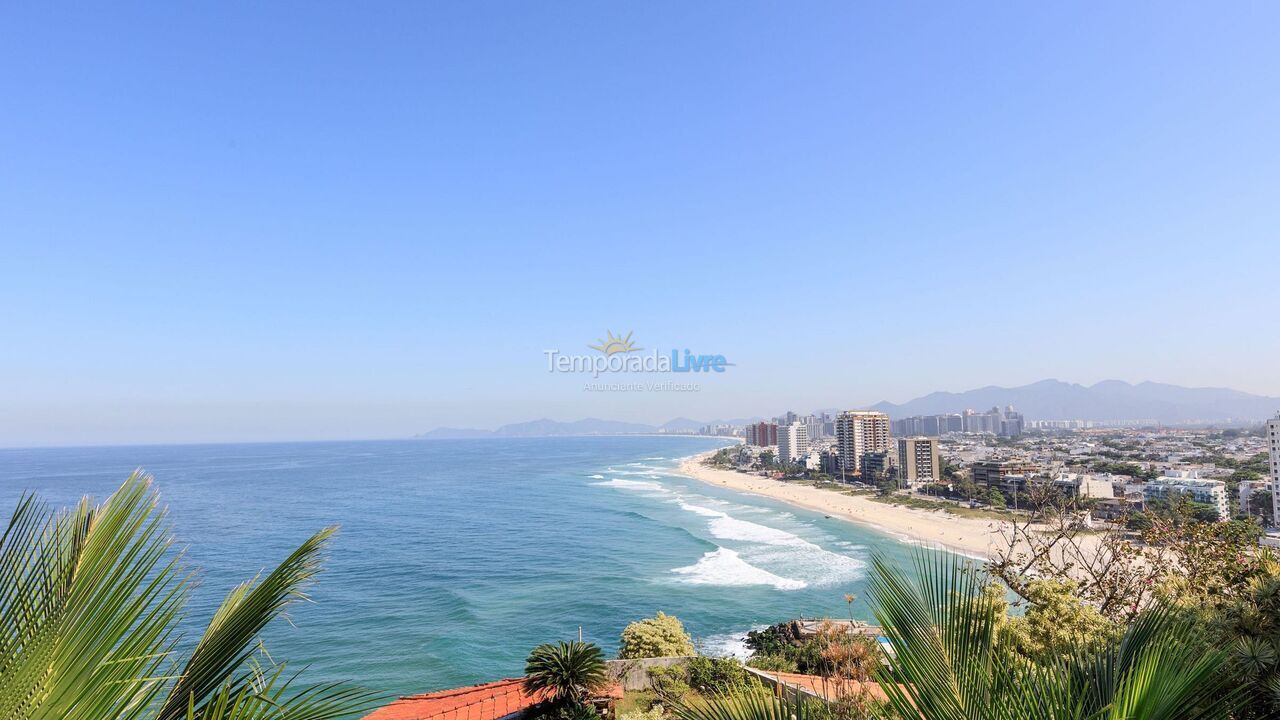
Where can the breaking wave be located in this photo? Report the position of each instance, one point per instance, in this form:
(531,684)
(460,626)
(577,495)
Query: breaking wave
(725,567)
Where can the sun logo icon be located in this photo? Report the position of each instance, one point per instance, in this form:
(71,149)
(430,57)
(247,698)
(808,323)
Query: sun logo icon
(614,345)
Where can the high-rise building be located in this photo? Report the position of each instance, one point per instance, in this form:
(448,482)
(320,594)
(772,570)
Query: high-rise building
(762,434)
(793,442)
(1273,444)
(918,460)
(858,432)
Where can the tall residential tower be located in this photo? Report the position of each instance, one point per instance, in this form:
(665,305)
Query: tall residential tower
(859,432)
(1273,445)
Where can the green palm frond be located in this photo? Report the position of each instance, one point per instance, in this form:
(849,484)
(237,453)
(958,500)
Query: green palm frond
(755,703)
(565,671)
(90,599)
(949,664)
(229,641)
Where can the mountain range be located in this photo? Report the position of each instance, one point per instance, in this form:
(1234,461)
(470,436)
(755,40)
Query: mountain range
(1106,400)
(1109,400)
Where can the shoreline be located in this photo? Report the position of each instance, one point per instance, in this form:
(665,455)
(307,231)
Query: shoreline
(934,529)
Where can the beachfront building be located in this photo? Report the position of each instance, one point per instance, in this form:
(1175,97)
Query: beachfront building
(918,460)
(793,442)
(762,434)
(1273,445)
(859,432)
(1187,483)
(1008,474)
(877,466)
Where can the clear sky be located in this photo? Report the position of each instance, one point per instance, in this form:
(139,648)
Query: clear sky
(255,221)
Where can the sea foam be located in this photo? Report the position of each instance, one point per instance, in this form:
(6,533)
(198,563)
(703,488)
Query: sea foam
(637,485)
(726,568)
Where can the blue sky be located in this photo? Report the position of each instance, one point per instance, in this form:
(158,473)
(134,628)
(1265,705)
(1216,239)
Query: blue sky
(245,221)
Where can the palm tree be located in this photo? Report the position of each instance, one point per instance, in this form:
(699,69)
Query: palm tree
(948,661)
(567,672)
(90,602)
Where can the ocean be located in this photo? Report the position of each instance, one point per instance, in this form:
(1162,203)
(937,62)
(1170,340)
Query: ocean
(456,557)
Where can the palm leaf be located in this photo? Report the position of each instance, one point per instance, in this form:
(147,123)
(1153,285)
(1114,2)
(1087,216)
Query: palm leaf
(949,664)
(218,663)
(89,599)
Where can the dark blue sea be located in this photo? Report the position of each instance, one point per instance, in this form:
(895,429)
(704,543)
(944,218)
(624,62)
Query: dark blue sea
(456,557)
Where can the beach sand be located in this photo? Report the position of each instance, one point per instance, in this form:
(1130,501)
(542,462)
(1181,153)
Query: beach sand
(931,528)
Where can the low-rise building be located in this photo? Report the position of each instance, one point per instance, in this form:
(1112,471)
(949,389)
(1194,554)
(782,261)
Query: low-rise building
(878,465)
(1003,473)
(1187,484)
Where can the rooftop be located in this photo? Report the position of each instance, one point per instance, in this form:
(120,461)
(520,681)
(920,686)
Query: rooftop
(489,701)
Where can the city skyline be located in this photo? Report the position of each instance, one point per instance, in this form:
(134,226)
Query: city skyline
(234,224)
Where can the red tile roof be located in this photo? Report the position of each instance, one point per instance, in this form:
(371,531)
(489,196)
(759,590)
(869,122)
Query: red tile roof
(489,701)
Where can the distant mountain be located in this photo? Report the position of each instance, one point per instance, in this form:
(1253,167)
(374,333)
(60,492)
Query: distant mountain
(589,426)
(681,424)
(544,428)
(1107,400)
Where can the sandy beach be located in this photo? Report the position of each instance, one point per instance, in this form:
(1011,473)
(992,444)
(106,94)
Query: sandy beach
(931,528)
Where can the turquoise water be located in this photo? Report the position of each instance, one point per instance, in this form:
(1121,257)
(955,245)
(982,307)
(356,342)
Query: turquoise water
(457,556)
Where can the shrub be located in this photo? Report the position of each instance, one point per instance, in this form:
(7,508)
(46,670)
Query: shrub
(717,675)
(669,682)
(653,713)
(659,636)
(773,663)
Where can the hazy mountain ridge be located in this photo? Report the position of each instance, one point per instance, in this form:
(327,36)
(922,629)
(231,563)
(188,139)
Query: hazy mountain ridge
(1106,400)
(1044,400)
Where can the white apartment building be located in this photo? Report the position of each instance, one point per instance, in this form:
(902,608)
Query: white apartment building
(1183,482)
(793,442)
(1273,445)
(858,432)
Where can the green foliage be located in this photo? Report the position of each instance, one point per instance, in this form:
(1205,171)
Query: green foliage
(755,704)
(1057,624)
(653,713)
(716,675)
(669,682)
(773,663)
(1133,470)
(886,485)
(1138,520)
(948,662)
(90,603)
(567,671)
(659,636)
(996,499)
(568,710)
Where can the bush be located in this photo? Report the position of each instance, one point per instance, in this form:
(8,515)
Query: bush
(1138,521)
(717,675)
(773,663)
(669,682)
(653,713)
(659,636)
